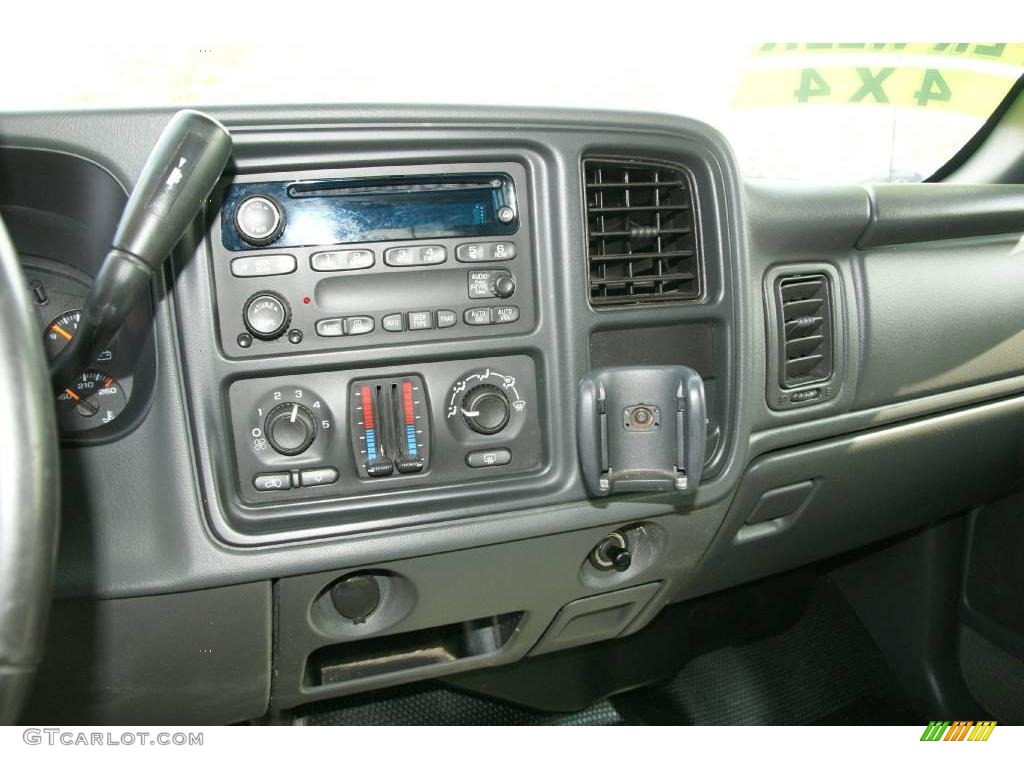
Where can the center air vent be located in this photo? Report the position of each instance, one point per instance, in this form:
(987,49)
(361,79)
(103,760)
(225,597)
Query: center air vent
(642,244)
(805,322)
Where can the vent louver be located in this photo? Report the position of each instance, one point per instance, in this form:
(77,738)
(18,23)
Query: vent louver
(805,322)
(642,244)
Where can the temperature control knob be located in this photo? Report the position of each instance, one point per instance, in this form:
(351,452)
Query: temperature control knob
(266,315)
(485,409)
(290,428)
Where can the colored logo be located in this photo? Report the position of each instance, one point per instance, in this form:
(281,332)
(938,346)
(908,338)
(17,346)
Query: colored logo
(961,730)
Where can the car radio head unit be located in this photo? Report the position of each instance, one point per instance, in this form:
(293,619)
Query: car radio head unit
(340,211)
(332,259)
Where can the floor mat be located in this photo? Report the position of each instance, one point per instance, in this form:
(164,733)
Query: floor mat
(428,704)
(823,668)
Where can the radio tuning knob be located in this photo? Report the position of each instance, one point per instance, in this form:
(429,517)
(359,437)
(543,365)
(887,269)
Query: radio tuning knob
(266,315)
(485,409)
(259,220)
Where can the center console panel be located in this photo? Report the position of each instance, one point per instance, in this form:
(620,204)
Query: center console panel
(378,340)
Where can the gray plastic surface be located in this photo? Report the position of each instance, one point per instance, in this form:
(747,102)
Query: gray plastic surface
(869,486)
(596,618)
(537,576)
(940,316)
(185,659)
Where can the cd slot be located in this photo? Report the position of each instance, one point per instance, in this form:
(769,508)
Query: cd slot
(357,187)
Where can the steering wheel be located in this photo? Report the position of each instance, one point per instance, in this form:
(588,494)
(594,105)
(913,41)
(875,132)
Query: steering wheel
(29,493)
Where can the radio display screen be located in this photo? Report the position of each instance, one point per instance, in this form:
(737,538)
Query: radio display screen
(374,210)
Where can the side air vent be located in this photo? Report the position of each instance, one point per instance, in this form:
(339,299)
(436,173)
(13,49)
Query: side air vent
(642,244)
(805,323)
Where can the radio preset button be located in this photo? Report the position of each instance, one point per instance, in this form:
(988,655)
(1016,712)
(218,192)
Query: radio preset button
(433,254)
(446,318)
(393,322)
(478,316)
(330,326)
(339,261)
(259,220)
(415,255)
(261,266)
(359,325)
(470,252)
(421,320)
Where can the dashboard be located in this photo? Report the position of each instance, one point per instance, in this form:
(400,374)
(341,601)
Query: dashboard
(426,391)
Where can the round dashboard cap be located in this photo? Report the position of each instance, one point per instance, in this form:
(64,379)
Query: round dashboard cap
(356,597)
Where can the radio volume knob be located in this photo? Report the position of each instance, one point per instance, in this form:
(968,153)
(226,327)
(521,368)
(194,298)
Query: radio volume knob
(485,409)
(259,220)
(266,315)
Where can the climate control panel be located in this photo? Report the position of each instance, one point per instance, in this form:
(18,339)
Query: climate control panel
(350,434)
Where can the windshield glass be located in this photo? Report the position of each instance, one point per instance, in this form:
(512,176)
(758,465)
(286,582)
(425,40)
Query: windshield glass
(815,111)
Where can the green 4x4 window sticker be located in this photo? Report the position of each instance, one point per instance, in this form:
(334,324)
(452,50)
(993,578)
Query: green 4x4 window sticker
(966,78)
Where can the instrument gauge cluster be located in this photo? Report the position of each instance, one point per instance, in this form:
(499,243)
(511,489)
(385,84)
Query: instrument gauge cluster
(93,406)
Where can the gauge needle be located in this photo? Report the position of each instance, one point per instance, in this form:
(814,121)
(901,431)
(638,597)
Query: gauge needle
(61,331)
(469,414)
(72,395)
(295,412)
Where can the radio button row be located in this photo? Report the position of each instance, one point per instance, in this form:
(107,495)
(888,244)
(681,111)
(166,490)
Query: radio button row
(470,252)
(491,315)
(344,326)
(415,255)
(261,266)
(340,261)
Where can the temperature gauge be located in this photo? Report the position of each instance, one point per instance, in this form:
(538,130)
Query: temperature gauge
(93,399)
